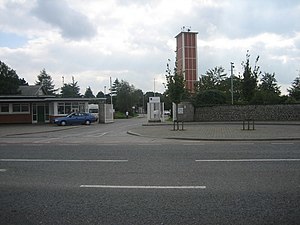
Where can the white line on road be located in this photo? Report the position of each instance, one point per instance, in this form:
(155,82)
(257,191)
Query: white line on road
(149,144)
(142,187)
(100,135)
(3,170)
(32,144)
(247,160)
(282,143)
(63,160)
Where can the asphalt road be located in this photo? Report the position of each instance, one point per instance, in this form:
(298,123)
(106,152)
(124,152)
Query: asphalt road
(112,133)
(149,182)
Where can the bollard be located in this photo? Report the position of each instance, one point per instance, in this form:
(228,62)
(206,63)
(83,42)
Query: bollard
(246,123)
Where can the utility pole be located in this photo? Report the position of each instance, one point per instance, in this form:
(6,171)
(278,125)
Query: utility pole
(154,88)
(231,67)
(110,83)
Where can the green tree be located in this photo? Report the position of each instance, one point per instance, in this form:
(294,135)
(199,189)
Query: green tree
(294,91)
(175,87)
(113,92)
(269,83)
(70,90)
(237,90)
(268,91)
(100,95)
(123,96)
(137,98)
(216,79)
(89,93)
(249,81)
(9,80)
(46,81)
(213,79)
(209,97)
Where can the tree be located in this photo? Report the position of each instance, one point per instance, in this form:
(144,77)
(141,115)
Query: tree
(210,97)
(249,81)
(113,92)
(175,87)
(213,79)
(294,91)
(70,90)
(100,95)
(9,80)
(269,83)
(124,96)
(137,98)
(89,93)
(268,91)
(46,81)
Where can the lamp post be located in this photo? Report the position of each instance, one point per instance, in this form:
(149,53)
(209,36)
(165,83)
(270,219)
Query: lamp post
(231,68)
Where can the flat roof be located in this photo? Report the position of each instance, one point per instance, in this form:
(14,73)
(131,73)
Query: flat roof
(187,32)
(47,99)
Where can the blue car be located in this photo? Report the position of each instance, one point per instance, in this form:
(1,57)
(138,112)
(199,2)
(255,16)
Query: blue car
(75,118)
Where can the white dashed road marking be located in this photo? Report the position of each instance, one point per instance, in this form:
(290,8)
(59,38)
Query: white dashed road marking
(247,160)
(142,187)
(63,160)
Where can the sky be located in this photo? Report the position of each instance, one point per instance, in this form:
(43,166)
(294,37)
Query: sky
(132,40)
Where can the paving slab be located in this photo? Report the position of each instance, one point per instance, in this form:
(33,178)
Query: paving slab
(222,131)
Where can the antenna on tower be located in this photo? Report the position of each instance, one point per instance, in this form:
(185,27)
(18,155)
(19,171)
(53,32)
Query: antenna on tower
(186,28)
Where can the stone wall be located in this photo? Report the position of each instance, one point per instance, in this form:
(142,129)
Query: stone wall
(242,112)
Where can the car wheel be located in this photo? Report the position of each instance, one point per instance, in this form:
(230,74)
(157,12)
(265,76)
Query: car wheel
(63,123)
(87,122)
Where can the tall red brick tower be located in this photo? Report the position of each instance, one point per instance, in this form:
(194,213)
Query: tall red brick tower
(186,55)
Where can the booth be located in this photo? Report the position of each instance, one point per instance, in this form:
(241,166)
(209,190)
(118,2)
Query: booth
(155,110)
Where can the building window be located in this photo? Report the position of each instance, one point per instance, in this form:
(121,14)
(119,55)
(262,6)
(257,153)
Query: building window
(61,108)
(4,108)
(69,107)
(21,108)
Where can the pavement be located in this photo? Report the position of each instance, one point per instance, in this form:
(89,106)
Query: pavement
(222,131)
(205,131)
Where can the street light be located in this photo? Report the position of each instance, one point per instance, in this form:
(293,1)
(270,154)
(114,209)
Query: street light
(231,66)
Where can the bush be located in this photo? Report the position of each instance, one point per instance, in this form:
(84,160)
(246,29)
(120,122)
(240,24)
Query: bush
(210,97)
(119,115)
(265,98)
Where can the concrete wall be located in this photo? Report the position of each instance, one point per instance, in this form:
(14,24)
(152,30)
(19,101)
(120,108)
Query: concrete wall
(188,112)
(242,112)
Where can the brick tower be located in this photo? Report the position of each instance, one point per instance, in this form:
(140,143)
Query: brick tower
(186,56)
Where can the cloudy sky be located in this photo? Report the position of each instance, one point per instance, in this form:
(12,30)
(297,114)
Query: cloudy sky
(132,40)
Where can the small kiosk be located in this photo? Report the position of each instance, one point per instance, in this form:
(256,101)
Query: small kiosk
(155,110)
(106,113)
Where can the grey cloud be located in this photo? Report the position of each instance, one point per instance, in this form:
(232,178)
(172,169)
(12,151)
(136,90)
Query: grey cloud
(248,18)
(241,19)
(129,2)
(72,24)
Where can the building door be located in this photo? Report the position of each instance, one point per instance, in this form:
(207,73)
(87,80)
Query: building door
(40,113)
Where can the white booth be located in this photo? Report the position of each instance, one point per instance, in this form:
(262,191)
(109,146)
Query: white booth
(155,110)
